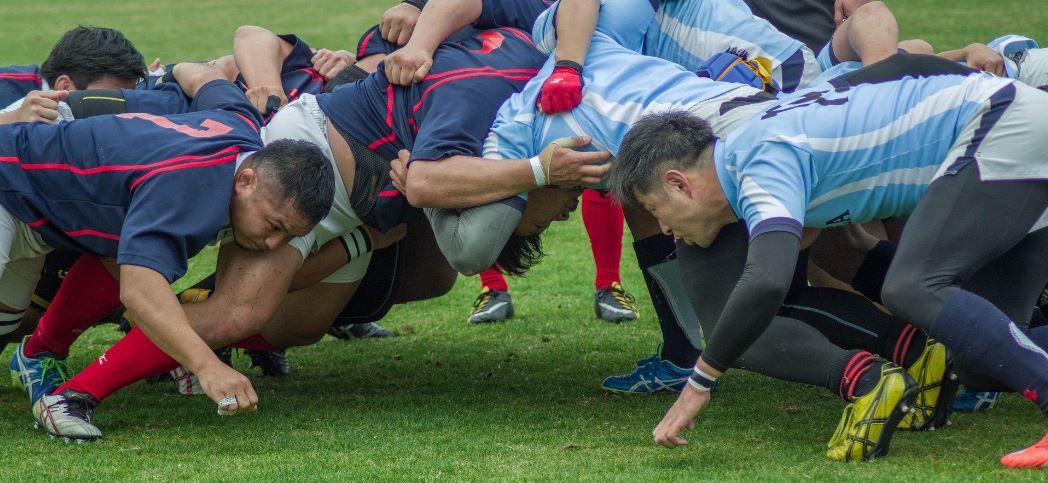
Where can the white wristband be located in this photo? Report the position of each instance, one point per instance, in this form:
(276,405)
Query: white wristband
(536,169)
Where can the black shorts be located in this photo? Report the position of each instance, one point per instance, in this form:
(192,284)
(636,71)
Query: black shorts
(374,297)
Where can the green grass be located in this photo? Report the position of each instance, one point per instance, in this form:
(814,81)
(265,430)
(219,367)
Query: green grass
(448,400)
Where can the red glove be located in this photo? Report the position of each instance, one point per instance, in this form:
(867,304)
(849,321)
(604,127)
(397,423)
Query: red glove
(562,91)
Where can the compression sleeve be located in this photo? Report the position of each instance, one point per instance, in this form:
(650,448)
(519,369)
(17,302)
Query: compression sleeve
(770,262)
(471,239)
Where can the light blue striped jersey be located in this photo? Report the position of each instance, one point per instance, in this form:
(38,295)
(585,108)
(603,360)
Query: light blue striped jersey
(688,32)
(620,87)
(834,154)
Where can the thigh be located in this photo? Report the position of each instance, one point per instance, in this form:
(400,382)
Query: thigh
(422,271)
(305,316)
(1014,281)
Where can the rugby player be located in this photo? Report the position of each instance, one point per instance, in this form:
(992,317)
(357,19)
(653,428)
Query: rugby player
(836,154)
(150,165)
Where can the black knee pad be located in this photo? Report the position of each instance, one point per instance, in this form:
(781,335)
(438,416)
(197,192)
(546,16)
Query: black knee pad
(96,102)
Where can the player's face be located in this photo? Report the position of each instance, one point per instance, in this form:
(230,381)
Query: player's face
(261,222)
(682,216)
(546,205)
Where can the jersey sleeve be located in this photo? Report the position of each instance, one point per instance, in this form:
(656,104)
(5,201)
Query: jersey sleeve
(165,224)
(455,131)
(167,98)
(519,14)
(774,186)
(301,55)
(223,95)
(372,43)
(624,21)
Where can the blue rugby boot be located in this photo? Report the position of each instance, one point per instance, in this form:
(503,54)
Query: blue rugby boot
(37,375)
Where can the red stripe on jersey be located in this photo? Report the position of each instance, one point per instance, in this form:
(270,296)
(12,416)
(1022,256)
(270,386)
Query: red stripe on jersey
(364,44)
(478,69)
(512,77)
(250,123)
(524,36)
(194,164)
(388,193)
(34,224)
(90,232)
(389,121)
(22,76)
(383,140)
(112,168)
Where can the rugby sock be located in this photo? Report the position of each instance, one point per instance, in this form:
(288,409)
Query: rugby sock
(675,345)
(982,337)
(131,359)
(869,278)
(254,343)
(603,219)
(492,278)
(855,375)
(87,294)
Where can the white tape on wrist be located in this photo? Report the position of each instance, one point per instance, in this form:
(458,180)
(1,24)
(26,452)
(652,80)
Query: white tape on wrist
(536,169)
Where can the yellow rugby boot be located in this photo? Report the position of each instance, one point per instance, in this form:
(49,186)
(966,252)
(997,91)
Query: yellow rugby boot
(867,425)
(936,388)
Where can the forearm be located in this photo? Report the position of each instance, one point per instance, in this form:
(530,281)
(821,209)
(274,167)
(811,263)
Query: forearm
(471,239)
(770,262)
(259,55)
(466,181)
(8,117)
(440,19)
(956,55)
(576,21)
(148,296)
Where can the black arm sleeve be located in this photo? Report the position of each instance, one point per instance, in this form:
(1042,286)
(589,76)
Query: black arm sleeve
(770,263)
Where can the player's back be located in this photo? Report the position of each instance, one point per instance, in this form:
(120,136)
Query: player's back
(76,181)
(869,149)
(16,81)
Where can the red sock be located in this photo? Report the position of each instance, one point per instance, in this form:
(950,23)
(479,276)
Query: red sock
(87,294)
(254,343)
(603,219)
(130,360)
(492,278)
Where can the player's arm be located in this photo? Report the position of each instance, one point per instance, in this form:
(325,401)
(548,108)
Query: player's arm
(438,20)
(467,181)
(260,54)
(147,294)
(977,56)
(576,21)
(399,21)
(36,106)
(770,262)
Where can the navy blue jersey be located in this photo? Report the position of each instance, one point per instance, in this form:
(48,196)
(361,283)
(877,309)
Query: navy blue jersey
(131,185)
(297,75)
(449,113)
(16,81)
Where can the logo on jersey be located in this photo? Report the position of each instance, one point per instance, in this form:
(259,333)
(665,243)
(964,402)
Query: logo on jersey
(841,219)
(491,41)
(805,100)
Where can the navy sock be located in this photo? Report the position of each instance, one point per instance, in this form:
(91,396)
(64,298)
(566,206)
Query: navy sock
(982,337)
(855,375)
(676,347)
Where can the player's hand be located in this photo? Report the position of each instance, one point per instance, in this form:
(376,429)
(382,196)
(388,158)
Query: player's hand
(842,9)
(329,63)
(221,382)
(155,65)
(568,167)
(681,416)
(259,97)
(398,171)
(562,91)
(40,106)
(408,64)
(981,57)
(398,23)
(380,240)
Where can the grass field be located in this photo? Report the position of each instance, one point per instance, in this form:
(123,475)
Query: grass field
(448,400)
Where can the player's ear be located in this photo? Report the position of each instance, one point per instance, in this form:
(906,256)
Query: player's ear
(675,181)
(64,83)
(246,181)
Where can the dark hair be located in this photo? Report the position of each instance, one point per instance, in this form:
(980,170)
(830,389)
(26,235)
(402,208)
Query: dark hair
(656,143)
(297,170)
(86,54)
(520,254)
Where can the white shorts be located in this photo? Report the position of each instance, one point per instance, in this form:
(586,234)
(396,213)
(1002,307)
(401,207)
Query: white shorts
(22,254)
(304,120)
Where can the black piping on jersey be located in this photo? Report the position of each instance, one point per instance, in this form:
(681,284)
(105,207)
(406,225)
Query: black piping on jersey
(745,101)
(899,66)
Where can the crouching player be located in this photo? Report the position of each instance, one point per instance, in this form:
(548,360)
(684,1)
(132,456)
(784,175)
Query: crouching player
(970,175)
(124,197)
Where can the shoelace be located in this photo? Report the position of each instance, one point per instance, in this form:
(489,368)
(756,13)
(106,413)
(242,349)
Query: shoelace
(482,300)
(622,296)
(76,406)
(53,371)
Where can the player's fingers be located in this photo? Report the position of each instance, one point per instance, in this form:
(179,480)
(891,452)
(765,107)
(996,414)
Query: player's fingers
(404,36)
(155,64)
(676,440)
(49,115)
(383,28)
(838,12)
(422,71)
(46,103)
(393,34)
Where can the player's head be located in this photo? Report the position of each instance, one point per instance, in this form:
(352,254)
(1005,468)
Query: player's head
(665,165)
(280,192)
(545,205)
(93,58)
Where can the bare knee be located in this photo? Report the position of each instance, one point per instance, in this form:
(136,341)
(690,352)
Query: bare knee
(917,46)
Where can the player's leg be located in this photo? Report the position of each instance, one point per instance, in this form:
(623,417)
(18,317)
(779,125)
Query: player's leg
(796,351)
(961,225)
(603,219)
(494,302)
(870,35)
